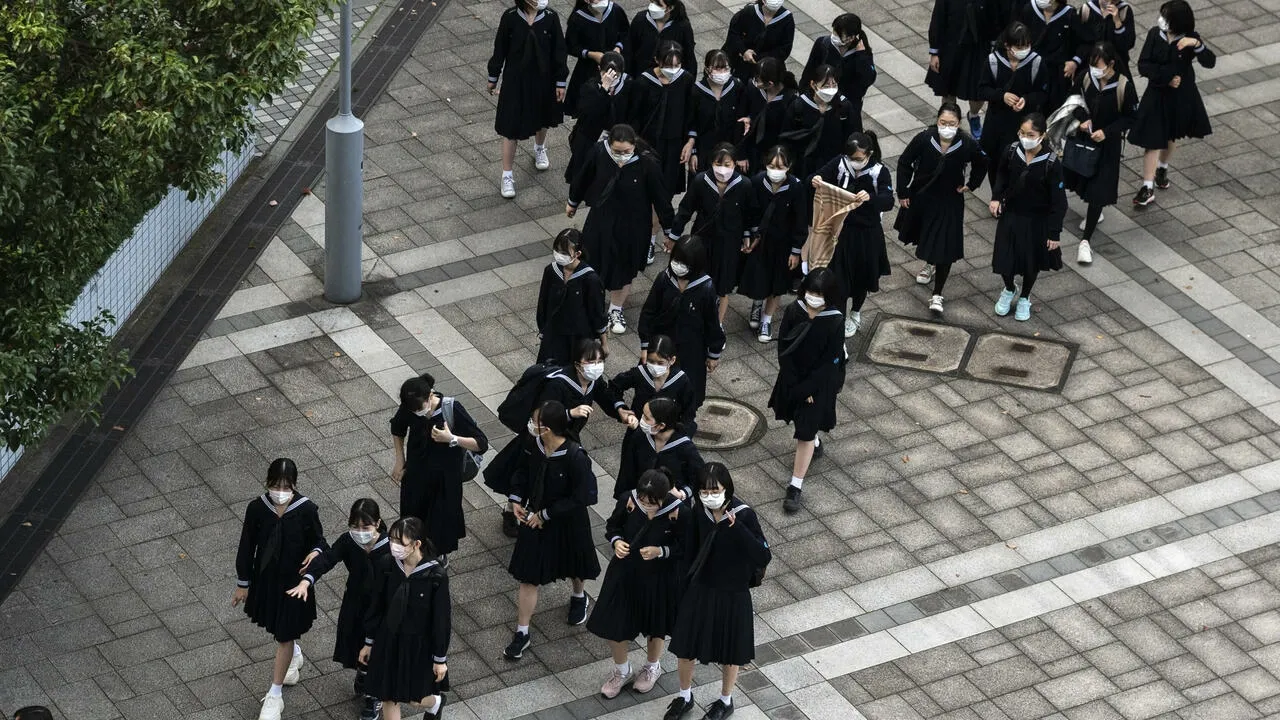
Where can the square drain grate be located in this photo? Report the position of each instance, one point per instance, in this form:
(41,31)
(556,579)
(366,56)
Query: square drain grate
(987,355)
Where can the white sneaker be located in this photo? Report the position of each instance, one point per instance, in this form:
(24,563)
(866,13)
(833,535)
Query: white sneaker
(935,305)
(1101,216)
(1084,254)
(617,322)
(271,708)
(292,675)
(852,324)
(540,159)
(508,186)
(925,276)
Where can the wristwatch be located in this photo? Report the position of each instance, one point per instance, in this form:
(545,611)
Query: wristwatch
(453,441)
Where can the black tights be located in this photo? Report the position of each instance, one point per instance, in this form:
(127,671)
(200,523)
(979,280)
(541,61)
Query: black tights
(1028,281)
(1091,220)
(857,299)
(940,274)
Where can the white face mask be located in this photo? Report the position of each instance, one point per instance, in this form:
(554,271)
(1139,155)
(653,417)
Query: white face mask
(363,537)
(679,269)
(719,78)
(542,4)
(775,175)
(656,370)
(814,301)
(1097,72)
(600,6)
(672,73)
(561,259)
(947,132)
(533,429)
(1021,53)
(280,497)
(645,427)
(592,371)
(773,5)
(835,40)
(1029,143)
(657,12)
(1162,24)
(722,173)
(399,551)
(713,501)
(858,164)
(621,158)
(425,411)
(1042,4)
(827,94)
(647,507)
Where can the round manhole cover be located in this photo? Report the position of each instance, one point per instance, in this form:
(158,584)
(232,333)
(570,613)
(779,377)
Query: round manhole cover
(724,424)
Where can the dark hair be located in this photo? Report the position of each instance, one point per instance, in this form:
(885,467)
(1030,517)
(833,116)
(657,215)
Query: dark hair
(771,71)
(669,410)
(653,485)
(415,392)
(714,475)
(715,58)
(864,141)
(569,241)
(667,50)
(1037,122)
(850,25)
(1015,35)
(1180,16)
(589,349)
(662,346)
(822,74)
(411,528)
(365,512)
(821,281)
(692,252)
(721,151)
(613,61)
(777,152)
(33,712)
(676,11)
(282,470)
(950,107)
(1104,51)
(622,132)
(553,416)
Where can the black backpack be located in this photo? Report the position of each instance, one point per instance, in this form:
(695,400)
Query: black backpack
(517,407)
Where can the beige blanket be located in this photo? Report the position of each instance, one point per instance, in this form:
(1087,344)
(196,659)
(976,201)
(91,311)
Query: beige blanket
(830,206)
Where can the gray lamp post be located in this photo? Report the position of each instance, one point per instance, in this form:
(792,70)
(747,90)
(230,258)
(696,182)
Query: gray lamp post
(344,192)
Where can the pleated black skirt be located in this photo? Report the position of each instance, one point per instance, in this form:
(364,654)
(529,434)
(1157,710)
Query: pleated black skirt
(714,626)
(561,549)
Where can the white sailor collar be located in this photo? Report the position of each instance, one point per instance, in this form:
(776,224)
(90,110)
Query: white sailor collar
(1066,8)
(560,452)
(1115,82)
(1042,157)
(671,378)
(730,510)
(298,501)
(825,313)
(704,87)
(386,539)
(572,382)
(675,441)
(591,16)
(635,497)
(782,13)
(583,269)
(420,567)
(692,283)
(707,177)
(937,145)
(1024,62)
(838,98)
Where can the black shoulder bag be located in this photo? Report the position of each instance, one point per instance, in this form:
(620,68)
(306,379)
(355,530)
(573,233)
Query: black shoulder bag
(1080,155)
(908,221)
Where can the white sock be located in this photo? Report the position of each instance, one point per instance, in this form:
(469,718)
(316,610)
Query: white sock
(1148,184)
(817,442)
(686,694)
(654,665)
(434,708)
(580,593)
(613,307)
(765,318)
(624,669)
(522,629)
(297,650)
(276,691)
(796,482)
(1164,166)
(508,174)
(726,699)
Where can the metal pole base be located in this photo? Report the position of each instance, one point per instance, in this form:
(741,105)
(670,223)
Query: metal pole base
(343,208)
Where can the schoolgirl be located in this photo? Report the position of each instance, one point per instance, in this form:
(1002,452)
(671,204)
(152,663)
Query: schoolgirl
(359,549)
(1109,21)
(767,104)
(1054,25)
(662,113)
(819,121)
(1111,101)
(659,375)
(761,29)
(960,36)
(860,258)
(724,205)
(931,185)
(579,385)
(408,625)
(1171,107)
(780,232)
(571,305)
(682,304)
(663,21)
(663,442)
(718,112)
(811,359)
(625,189)
(529,48)
(641,589)
(726,550)
(280,528)
(1030,203)
(431,435)
(602,103)
(596,27)
(1015,82)
(848,50)
(550,494)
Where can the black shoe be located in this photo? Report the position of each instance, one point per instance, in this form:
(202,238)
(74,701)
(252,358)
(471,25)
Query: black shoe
(1144,197)
(1162,178)
(372,709)
(578,609)
(509,526)
(718,711)
(818,450)
(792,502)
(359,683)
(519,643)
(757,310)
(439,713)
(678,708)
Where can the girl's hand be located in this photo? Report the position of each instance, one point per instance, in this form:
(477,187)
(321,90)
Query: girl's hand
(962,189)
(569,210)
(680,495)
(633,422)
(534,520)
(667,244)
(862,196)
(1176,81)
(493,88)
(306,562)
(621,549)
(934,63)
(441,670)
(809,399)
(1086,126)
(560,94)
(994,207)
(1098,136)
(1069,69)
(1052,244)
(749,56)
(397,472)
(582,411)
(239,596)
(904,202)
(1188,42)
(1011,100)
(743,166)
(363,658)
(712,365)
(1022,102)
(650,553)
(519,512)
(793,262)
(686,152)
(442,434)
(816,182)
(693,163)
(746,124)
(299,591)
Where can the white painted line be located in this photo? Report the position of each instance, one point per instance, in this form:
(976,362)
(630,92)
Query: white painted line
(856,654)
(1050,542)
(1103,579)
(1135,516)
(1022,604)
(274,335)
(209,351)
(1264,477)
(1200,497)
(1182,555)
(941,629)
(823,702)
(1200,348)
(979,563)
(805,615)
(251,299)
(895,588)
(1250,534)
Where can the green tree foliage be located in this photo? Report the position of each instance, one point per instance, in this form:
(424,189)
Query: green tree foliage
(105,105)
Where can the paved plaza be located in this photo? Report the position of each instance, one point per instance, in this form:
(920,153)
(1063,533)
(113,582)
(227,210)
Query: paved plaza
(967,549)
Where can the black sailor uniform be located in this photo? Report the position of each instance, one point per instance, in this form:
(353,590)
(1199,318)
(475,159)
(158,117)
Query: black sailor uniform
(1034,204)
(715,623)
(569,311)
(811,359)
(530,60)
(679,456)
(928,178)
(749,30)
(860,257)
(638,596)
(768,116)
(598,111)
(560,486)
(1057,41)
(1030,81)
(662,116)
(675,385)
(714,120)
(857,70)
(723,222)
(782,225)
(960,35)
(644,38)
(691,318)
(272,548)
(357,596)
(1113,116)
(1166,113)
(1094,28)
(816,136)
(408,625)
(584,33)
(563,387)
